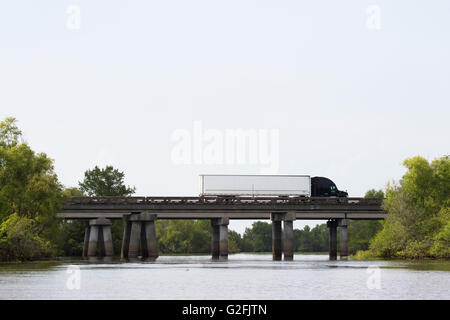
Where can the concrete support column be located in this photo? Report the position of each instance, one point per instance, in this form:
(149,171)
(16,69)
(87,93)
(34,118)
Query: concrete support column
(215,240)
(135,238)
(100,242)
(150,237)
(93,239)
(276,236)
(100,237)
(223,238)
(343,239)
(139,233)
(143,242)
(107,240)
(219,238)
(288,240)
(332,224)
(86,240)
(126,238)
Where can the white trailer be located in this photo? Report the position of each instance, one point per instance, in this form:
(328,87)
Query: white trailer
(255,185)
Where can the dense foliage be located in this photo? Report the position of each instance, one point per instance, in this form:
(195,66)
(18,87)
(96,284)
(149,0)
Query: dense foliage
(29,198)
(191,236)
(418,224)
(20,240)
(105,182)
(71,231)
(360,232)
(184,236)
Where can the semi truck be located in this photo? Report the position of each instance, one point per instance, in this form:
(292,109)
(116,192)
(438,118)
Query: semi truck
(268,186)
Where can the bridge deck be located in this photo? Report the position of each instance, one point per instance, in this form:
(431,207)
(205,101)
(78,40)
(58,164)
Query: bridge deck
(319,208)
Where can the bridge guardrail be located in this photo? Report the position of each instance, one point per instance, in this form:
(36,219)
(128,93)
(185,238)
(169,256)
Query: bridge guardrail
(220,200)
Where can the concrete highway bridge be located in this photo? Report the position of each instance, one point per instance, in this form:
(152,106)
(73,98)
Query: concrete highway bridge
(140,213)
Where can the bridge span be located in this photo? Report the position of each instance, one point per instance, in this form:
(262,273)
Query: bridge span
(140,213)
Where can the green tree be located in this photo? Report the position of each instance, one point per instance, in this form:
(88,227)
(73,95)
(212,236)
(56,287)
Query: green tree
(10,134)
(302,239)
(201,236)
(258,238)
(361,232)
(234,242)
(30,194)
(71,235)
(416,225)
(105,182)
(320,236)
(20,240)
(372,193)
(28,184)
(184,236)
(311,240)
(441,240)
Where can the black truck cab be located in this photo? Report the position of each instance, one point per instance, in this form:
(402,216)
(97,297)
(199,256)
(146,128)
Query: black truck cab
(324,187)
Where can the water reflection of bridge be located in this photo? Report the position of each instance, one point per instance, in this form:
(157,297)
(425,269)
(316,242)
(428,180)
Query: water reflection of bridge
(140,213)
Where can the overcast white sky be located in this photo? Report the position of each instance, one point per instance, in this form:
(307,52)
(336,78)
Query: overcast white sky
(349,102)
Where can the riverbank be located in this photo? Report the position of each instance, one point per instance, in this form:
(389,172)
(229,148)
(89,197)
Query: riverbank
(367,255)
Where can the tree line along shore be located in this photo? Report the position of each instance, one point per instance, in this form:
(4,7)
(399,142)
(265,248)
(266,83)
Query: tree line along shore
(417,225)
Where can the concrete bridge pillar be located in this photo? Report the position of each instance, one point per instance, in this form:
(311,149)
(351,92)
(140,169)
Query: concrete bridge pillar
(223,242)
(86,240)
(343,239)
(135,239)
(93,239)
(98,231)
(107,241)
(332,224)
(215,240)
(219,238)
(276,235)
(288,232)
(125,238)
(139,236)
(150,243)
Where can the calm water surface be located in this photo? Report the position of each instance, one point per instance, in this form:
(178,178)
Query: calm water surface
(243,276)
